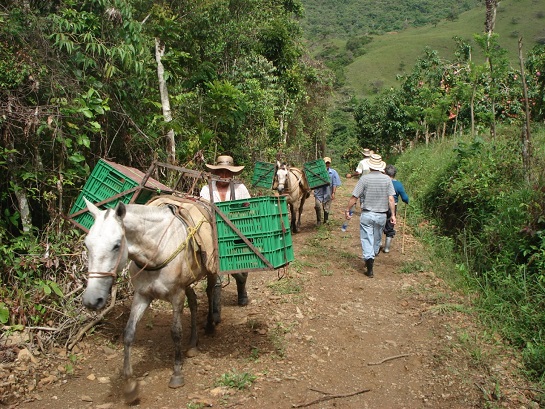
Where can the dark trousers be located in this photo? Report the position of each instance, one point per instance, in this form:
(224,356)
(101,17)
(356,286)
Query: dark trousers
(389,230)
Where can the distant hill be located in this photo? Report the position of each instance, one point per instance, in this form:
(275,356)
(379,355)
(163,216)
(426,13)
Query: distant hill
(325,19)
(393,53)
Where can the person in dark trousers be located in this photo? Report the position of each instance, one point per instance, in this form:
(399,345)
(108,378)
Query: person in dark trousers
(389,230)
(325,194)
(221,192)
(376,193)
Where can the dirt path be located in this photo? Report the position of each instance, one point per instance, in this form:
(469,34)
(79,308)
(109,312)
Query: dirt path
(399,340)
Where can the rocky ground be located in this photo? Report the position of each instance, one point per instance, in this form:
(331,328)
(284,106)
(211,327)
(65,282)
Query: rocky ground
(318,334)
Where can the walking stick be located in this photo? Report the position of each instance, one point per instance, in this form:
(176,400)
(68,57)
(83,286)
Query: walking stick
(403,231)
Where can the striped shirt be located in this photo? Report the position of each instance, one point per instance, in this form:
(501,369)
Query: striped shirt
(373,190)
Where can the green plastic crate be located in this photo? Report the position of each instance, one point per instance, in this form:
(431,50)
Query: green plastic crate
(107,180)
(235,254)
(263,221)
(264,214)
(264,173)
(316,173)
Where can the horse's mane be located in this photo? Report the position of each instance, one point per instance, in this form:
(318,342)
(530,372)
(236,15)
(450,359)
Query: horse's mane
(148,212)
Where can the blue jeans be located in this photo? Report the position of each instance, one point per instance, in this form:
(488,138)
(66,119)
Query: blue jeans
(371,228)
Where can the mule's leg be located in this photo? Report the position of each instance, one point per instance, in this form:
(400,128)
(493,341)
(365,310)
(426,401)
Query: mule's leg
(177,379)
(139,306)
(293,223)
(241,278)
(213,293)
(301,211)
(192,303)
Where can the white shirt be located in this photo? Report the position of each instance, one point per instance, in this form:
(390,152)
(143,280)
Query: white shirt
(241,192)
(363,167)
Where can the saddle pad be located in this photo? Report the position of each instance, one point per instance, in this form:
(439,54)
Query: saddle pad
(192,210)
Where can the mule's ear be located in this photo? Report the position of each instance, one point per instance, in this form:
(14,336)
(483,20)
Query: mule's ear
(120,210)
(92,208)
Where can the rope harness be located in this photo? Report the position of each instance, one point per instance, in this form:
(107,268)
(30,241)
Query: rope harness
(112,272)
(191,231)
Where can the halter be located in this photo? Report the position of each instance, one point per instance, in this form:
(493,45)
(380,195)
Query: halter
(112,272)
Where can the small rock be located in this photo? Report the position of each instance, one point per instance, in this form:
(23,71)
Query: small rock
(86,398)
(105,406)
(108,350)
(91,377)
(219,391)
(26,356)
(47,380)
(103,379)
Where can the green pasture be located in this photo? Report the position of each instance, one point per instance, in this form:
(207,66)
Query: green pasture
(394,53)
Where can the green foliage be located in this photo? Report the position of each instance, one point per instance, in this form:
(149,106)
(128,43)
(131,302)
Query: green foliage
(385,53)
(236,380)
(475,193)
(351,17)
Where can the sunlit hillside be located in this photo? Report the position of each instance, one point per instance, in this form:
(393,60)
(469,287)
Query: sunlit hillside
(395,53)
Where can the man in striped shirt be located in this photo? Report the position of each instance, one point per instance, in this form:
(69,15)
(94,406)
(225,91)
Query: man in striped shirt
(376,193)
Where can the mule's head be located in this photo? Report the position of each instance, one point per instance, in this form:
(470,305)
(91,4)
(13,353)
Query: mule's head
(107,253)
(281,179)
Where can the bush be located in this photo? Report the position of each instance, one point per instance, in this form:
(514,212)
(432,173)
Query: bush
(477,193)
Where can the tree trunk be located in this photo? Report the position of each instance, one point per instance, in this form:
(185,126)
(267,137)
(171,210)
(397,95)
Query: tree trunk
(526,136)
(282,125)
(472,109)
(165,103)
(19,191)
(489,24)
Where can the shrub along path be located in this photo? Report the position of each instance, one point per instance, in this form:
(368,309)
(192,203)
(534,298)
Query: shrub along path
(323,336)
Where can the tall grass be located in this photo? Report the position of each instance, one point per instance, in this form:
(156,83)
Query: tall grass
(472,205)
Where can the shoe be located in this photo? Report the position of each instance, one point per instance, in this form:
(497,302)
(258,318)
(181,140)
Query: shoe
(369,264)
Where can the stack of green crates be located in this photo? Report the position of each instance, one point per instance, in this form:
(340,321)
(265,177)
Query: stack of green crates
(316,173)
(264,222)
(263,175)
(107,180)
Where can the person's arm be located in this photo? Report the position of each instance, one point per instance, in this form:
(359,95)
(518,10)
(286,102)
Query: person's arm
(242,192)
(392,206)
(401,193)
(351,203)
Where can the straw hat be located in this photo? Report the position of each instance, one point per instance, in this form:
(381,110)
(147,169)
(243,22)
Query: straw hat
(225,162)
(366,152)
(376,163)
(327,159)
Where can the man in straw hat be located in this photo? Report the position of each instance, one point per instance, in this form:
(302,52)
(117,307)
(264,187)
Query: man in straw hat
(363,166)
(223,191)
(376,193)
(323,195)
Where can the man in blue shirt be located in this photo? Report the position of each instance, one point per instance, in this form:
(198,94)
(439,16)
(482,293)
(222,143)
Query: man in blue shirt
(323,195)
(389,230)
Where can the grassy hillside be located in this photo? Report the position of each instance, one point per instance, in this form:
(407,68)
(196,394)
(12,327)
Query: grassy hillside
(395,53)
(327,19)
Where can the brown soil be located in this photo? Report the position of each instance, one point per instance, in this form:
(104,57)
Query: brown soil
(399,340)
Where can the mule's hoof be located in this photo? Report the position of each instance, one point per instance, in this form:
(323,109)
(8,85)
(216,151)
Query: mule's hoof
(131,391)
(210,329)
(216,316)
(176,381)
(243,301)
(192,352)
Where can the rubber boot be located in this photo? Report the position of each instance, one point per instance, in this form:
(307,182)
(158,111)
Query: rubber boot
(386,248)
(241,278)
(369,264)
(326,216)
(318,216)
